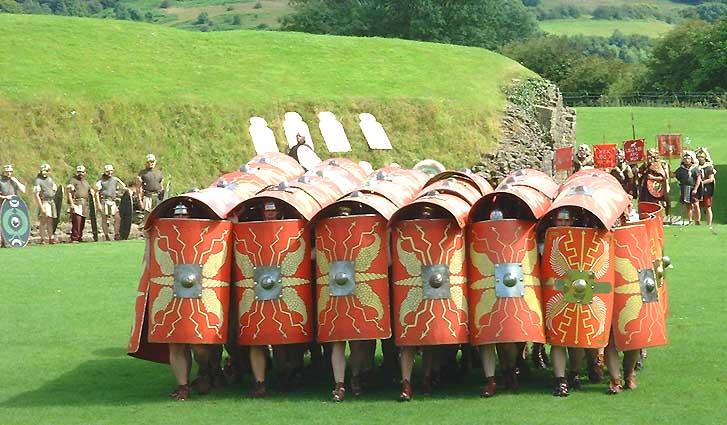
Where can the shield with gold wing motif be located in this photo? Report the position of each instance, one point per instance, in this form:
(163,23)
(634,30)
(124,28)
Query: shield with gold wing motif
(639,317)
(504,293)
(272,278)
(189,281)
(352,283)
(578,293)
(430,282)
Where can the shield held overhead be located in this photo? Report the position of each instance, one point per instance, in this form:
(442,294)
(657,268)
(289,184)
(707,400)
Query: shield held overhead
(578,293)
(272,277)
(505,294)
(352,278)
(429,288)
(638,310)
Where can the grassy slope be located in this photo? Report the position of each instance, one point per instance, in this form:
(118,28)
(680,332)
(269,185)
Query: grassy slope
(604,28)
(98,91)
(589,4)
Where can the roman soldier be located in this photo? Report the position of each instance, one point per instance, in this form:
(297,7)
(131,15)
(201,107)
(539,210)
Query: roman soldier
(653,179)
(183,296)
(429,293)
(505,292)
(353,271)
(9,184)
(303,153)
(583,158)
(107,194)
(78,191)
(690,182)
(578,269)
(624,174)
(45,190)
(150,184)
(272,273)
(708,178)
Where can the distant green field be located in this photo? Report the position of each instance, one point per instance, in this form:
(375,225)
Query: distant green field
(605,28)
(97,91)
(590,4)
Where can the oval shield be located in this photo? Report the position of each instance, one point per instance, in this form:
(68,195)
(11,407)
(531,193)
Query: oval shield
(14,223)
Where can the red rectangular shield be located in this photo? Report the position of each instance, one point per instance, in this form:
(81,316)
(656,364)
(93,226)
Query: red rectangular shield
(670,145)
(634,150)
(563,159)
(604,156)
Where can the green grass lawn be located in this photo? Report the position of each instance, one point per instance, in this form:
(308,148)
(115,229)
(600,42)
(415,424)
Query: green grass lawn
(605,28)
(68,312)
(590,4)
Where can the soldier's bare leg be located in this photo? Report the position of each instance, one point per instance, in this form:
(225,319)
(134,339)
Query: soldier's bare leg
(406,359)
(575,358)
(614,368)
(360,360)
(180,362)
(508,365)
(594,356)
(430,362)
(43,229)
(697,212)
(338,362)
(105,226)
(203,356)
(489,360)
(258,364)
(117,226)
(630,358)
(558,360)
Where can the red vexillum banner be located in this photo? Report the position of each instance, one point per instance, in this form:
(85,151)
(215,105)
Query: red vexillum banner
(634,150)
(563,159)
(670,145)
(604,156)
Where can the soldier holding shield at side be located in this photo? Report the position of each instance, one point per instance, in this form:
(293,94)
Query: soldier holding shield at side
(45,190)
(150,184)
(106,196)
(653,180)
(79,194)
(690,181)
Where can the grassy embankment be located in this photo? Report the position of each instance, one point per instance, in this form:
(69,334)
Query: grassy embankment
(97,91)
(66,328)
(605,28)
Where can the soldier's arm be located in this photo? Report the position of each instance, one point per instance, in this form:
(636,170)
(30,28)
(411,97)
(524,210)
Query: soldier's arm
(36,195)
(123,185)
(20,186)
(139,187)
(69,193)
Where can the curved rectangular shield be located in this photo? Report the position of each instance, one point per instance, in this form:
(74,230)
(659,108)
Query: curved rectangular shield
(189,270)
(577,266)
(505,297)
(272,282)
(429,282)
(638,315)
(352,279)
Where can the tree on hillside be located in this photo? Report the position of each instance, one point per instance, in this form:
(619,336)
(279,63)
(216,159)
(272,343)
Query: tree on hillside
(674,58)
(482,23)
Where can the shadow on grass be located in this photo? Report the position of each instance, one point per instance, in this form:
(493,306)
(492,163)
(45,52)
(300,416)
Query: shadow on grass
(124,381)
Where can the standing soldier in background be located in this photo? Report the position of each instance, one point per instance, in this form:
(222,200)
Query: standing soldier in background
(653,181)
(150,185)
(708,172)
(9,185)
(583,158)
(106,196)
(78,193)
(44,189)
(624,174)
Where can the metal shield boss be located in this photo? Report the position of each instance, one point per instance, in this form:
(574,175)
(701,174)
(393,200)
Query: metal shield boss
(429,282)
(655,234)
(577,268)
(505,297)
(14,223)
(352,281)
(272,282)
(639,320)
(189,270)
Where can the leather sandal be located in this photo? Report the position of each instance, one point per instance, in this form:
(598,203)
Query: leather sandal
(339,392)
(406,391)
(181,393)
(259,390)
(356,386)
(595,370)
(614,387)
(561,388)
(538,356)
(490,388)
(574,381)
(512,381)
(630,382)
